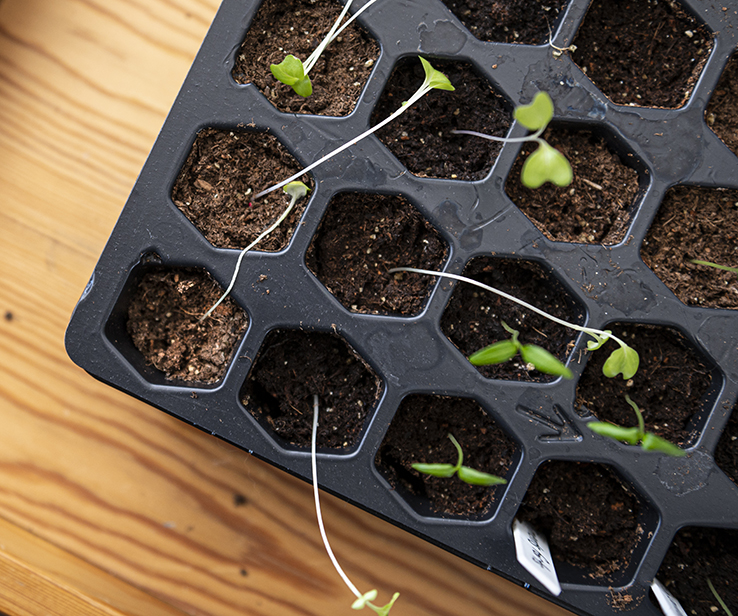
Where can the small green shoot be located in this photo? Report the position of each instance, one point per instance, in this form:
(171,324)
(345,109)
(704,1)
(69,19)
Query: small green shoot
(715,265)
(719,598)
(637,435)
(466,474)
(504,350)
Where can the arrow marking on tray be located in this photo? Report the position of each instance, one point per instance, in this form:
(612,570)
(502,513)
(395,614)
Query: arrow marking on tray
(563,429)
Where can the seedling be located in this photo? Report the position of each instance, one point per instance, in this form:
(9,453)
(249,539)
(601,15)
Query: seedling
(716,266)
(292,72)
(504,350)
(637,435)
(362,600)
(546,164)
(623,360)
(466,474)
(719,598)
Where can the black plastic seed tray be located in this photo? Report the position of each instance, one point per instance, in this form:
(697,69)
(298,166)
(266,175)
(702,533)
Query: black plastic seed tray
(412,355)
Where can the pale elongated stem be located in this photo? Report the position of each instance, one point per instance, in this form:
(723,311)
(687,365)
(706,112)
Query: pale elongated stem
(310,62)
(534,137)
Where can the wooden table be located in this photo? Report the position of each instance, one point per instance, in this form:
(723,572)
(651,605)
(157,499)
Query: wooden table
(108,506)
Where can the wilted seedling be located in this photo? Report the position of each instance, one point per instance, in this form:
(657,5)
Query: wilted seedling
(505,350)
(648,441)
(466,474)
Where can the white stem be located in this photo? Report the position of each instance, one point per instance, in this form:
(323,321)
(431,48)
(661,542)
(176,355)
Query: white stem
(316,492)
(350,19)
(534,137)
(310,62)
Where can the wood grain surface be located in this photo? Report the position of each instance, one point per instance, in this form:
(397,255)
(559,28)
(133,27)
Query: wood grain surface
(108,506)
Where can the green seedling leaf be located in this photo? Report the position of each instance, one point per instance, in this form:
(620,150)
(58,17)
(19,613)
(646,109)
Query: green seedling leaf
(546,164)
(437,470)
(296,190)
(598,341)
(537,114)
(496,353)
(479,478)
(623,360)
(362,601)
(291,72)
(544,361)
(715,265)
(652,442)
(626,435)
(435,79)
(385,609)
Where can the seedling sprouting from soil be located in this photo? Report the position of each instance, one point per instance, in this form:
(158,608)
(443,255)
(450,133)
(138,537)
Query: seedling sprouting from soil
(648,441)
(623,360)
(466,474)
(546,164)
(292,72)
(719,598)
(362,600)
(504,350)
(716,266)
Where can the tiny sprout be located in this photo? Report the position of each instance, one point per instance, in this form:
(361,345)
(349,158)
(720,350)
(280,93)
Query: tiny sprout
(719,598)
(466,474)
(636,435)
(716,266)
(502,351)
(366,601)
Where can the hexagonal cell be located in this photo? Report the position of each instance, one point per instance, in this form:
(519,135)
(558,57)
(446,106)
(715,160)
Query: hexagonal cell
(472,319)
(419,433)
(222,172)
(721,114)
(297,27)
(594,522)
(360,237)
(156,325)
(421,137)
(596,207)
(672,381)
(509,21)
(646,53)
(291,367)
(726,452)
(696,555)
(702,224)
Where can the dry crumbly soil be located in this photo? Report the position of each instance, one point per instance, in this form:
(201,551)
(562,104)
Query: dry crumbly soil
(722,111)
(217,183)
(419,433)
(696,223)
(421,137)
(293,366)
(645,52)
(164,324)
(472,319)
(297,27)
(595,207)
(361,237)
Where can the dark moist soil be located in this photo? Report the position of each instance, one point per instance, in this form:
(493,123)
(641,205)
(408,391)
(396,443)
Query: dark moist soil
(508,21)
(696,555)
(726,453)
(595,207)
(722,111)
(360,238)
(642,52)
(164,324)
(297,27)
(668,387)
(291,367)
(216,186)
(696,223)
(421,137)
(472,318)
(589,517)
(419,433)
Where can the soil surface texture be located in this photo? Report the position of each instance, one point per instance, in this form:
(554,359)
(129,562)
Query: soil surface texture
(419,433)
(361,237)
(722,111)
(291,367)
(696,223)
(297,27)
(472,319)
(726,452)
(645,52)
(164,324)
(421,137)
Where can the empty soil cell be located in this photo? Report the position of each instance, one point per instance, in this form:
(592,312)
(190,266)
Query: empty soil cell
(722,111)
(726,452)
(419,433)
(297,27)
(588,515)
(361,237)
(472,319)
(595,208)
(645,52)
(696,223)
(164,324)
(668,387)
(290,368)
(217,183)
(509,21)
(421,137)
(696,555)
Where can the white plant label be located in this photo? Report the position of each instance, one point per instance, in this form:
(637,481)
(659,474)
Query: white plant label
(669,604)
(532,551)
